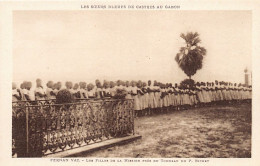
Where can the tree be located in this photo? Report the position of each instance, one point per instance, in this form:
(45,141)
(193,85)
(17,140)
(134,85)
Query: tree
(191,56)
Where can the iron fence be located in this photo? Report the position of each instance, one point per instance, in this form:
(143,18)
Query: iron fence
(43,127)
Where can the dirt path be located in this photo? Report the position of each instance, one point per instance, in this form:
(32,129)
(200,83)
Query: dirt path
(219,131)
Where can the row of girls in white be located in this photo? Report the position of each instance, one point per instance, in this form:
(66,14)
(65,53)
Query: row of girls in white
(160,96)
(26,93)
(222,92)
(145,96)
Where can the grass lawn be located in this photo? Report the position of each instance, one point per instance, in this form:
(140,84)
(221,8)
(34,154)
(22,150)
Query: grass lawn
(216,131)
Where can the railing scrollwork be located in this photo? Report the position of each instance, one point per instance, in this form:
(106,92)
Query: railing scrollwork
(43,127)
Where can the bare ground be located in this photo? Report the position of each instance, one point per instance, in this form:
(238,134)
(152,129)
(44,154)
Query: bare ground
(216,131)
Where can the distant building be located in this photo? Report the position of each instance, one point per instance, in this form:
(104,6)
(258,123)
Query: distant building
(248,77)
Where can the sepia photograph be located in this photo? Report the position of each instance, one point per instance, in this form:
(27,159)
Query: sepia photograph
(132,84)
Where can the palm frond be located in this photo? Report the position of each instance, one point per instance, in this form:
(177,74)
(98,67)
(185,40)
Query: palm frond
(183,37)
(196,41)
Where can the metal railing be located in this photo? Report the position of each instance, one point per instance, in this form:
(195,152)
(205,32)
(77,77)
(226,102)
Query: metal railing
(42,128)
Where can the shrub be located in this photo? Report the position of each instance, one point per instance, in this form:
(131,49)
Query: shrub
(120,94)
(64,96)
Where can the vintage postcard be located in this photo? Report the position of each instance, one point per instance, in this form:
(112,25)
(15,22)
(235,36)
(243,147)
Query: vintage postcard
(115,83)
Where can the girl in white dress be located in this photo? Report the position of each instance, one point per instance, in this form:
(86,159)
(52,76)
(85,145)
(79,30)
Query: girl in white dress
(175,94)
(181,92)
(25,91)
(171,96)
(157,94)
(152,100)
(199,93)
(21,93)
(250,93)
(140,98)
(161,100)
(128,89)
(106,89)
(195,97)
(168,96)
(58,86)
(224,92)
(91,91)
(186,98)
(112,88)
(49,91)
(69,87)
(136,97)
(229,98)
(209,92)
(220,97)
(75,91)
(192,102)
(205,94)
(22,90)
(82,91)
(236,92)
(39,92)
(214,93)
(178,97)
(233,93)
(99,90)
(16,94)
(145,99)
(29,93)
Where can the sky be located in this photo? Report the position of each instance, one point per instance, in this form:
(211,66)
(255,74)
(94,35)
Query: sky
(128,45)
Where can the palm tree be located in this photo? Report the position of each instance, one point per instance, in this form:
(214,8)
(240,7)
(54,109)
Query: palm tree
(191,56)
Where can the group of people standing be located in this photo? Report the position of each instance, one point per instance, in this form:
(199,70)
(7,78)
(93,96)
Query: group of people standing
(148,98)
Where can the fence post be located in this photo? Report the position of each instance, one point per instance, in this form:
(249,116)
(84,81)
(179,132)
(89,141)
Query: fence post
(27,131)
(132,110)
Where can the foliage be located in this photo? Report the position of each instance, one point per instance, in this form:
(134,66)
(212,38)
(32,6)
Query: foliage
(187,83)
(191,56)
(64,96)
(120,94)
